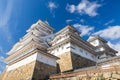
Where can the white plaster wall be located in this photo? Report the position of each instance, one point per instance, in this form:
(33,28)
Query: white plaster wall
(60,50)
(22,62)
(36,56)
(83,53)
(46,60)
(77,50)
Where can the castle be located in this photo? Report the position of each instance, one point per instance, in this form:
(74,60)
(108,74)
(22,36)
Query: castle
(41,53)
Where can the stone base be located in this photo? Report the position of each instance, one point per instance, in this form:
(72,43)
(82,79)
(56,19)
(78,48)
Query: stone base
(65,63)
(70,61)
(81,62)
(42,71)
(90,73)
(32,71)
(24,72)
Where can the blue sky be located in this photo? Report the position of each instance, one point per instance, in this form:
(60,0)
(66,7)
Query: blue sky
(97,17)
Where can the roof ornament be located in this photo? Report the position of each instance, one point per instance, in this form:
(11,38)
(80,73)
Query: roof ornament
(46,21)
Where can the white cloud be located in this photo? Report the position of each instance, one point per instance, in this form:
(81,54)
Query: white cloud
(84,29)
(68,20)
(71,8)
(84,7)
(111,33)
(109,22)
(5,17)
(52,5)
(115,46)
(4,20)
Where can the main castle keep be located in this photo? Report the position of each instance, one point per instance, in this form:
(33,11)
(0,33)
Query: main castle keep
(40,54)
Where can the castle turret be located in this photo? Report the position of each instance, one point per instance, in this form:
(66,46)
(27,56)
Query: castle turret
(73,51)
(28,59)
(103,51)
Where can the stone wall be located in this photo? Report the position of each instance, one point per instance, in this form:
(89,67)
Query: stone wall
(70,61)
(24,72)
(91,73)
(42,71)
(80,62)
(65,63)
(33,71)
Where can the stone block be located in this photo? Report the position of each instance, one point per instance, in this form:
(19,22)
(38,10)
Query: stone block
(21,73)
(65,63)
(80,62)
(42,71)
(116,76)
(107,75)
(73,78)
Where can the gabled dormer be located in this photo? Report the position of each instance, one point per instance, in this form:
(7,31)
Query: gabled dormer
(103,50)
(63,34)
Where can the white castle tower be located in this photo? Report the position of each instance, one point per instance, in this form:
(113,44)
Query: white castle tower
(28,59)
(72,50)
(41,53)
(102,49)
